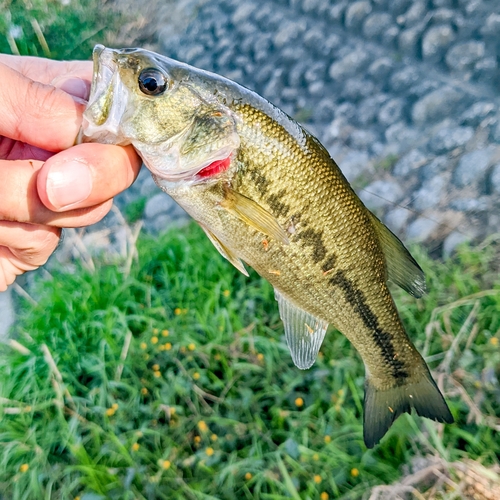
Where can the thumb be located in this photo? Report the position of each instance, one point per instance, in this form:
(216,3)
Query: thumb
(38,114)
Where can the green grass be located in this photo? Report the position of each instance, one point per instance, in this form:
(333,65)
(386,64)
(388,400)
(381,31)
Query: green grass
(99,402)
(54,28)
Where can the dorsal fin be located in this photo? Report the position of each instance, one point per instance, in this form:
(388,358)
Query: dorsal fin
(304,333)
(402,268)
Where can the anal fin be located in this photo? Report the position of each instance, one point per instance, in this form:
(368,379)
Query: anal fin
(250,212)
(224,251)
(402,268)
(304,333)
(382,408)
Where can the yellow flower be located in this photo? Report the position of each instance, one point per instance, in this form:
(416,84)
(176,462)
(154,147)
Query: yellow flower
(217,357)
(209,451)
(165,333)
(340,392)
(135,446)
(114,406)
(317,479)
(494,341)
(24,468)
(260,356)
(248,476)
(214,437)
(167,346)
(316,457)
(157,373)
(226,293)
(110,412)
(172,410)
(324,496)
(196,375)
(327,439)
(161,347)
(299,402)
(156,367)
(197,439)
(154,340)
(166,464)
(202,426)
(354,472)
(146,356)
(27,409)
(177,311)
(139,434)
(143,345)
(192,346)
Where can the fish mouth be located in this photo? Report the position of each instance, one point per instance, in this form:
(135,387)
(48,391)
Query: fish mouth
(103,115)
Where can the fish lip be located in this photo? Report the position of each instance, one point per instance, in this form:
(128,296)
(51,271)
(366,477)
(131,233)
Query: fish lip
(191,175)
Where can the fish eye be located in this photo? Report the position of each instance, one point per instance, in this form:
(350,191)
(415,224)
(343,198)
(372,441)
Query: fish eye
(152,81)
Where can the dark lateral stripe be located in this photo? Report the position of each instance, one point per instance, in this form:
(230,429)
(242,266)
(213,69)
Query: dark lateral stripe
(314,239)
(382,339)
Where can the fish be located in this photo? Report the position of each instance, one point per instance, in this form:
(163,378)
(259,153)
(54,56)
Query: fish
(269,196)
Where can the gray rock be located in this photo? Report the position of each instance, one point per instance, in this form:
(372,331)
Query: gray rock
(356,13)
(436,105)
(495,179)
(288,32)
(368,109)
(477,113)
(376,25)
(401,137)
(325,110)
(7,312)
(472,167)
(356,89)
(391,112)
(463,56)
(315,72)
(362,139)
(430,193)
(346,110)
(402,80)
(452,241)
(435,167)
(380,194)
(446,16)
(409,163)
(492,25)
(349,65)
(336,11)
(436,42)
(414,14)
(397,218)
(470,204)
(380,69)
(442,3)
(243,12)
(353,164)
(449,138)
(486,70)
(397,7)
(390,37)
(421,229)
(409,40)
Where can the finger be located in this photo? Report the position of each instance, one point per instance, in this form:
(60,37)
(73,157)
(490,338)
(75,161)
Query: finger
(39,114)
(24,247)
(20,201)
(46,70)
(86,175)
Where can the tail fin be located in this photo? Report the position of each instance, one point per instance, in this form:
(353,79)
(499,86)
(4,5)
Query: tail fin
(382,408)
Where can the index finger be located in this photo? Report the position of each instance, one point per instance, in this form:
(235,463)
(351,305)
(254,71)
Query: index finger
(44,70)
(36,113)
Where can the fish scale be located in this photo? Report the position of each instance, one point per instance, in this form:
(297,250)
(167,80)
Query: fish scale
(268,194)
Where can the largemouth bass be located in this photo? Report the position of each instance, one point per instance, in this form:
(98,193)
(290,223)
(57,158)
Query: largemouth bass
(267,194)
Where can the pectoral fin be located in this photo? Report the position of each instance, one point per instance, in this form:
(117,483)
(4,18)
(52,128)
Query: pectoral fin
(254,215)
(304,332)
(402,268)
(224,251)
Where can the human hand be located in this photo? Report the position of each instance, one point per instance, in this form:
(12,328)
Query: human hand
(46,182)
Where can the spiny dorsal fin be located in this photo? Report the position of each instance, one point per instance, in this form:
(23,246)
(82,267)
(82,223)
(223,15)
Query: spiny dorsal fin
(304,333)
(402,268)
(224,251)
(382,408)
(254,215)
